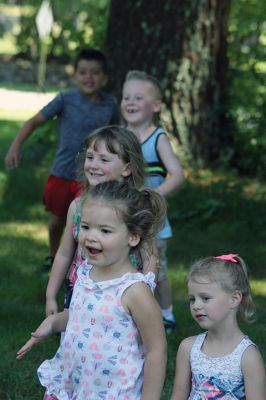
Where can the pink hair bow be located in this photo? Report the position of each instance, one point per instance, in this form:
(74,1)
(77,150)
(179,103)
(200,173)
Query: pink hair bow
(228,257)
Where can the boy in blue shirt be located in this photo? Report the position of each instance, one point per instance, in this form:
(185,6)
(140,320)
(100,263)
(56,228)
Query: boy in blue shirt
(141,100)
(79,111)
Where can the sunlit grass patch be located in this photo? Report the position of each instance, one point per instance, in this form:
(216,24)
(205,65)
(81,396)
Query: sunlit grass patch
(258,287)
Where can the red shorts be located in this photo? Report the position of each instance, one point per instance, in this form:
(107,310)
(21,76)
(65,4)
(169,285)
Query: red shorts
(59,193)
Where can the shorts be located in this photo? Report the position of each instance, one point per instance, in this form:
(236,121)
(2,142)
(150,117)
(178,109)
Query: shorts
(59,193)
(162,247)
(49,397)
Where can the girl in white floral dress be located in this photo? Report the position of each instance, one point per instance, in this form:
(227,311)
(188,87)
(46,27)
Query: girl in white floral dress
(114,346)
(221,363)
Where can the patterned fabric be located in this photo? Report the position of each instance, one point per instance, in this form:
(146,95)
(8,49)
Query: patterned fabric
(217,377)
(101,355)
(155,174)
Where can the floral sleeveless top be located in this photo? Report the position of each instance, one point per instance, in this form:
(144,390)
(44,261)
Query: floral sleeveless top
(217,377)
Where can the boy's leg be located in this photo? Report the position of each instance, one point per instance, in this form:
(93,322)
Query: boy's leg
(163,290)
(58,195)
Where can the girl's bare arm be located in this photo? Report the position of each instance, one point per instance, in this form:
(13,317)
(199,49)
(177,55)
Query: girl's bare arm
(62,262)
(53,323)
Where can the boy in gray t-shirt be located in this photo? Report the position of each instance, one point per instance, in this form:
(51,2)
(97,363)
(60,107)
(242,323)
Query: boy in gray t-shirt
(79,111)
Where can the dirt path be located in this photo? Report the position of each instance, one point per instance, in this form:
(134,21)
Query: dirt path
(16,100)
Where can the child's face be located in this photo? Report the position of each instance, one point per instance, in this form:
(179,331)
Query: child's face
(104,236)
(90,78)
(210,305)
(139,102)
(101,165)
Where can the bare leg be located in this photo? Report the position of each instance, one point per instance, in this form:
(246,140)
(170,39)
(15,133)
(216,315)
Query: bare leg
(56,227)
(164,294)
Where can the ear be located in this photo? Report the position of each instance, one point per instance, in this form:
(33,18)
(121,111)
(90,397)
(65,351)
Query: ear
(127,170)
(157,106)
(134,239)
(236,298)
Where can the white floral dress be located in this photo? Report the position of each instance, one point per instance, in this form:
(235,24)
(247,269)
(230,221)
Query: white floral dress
(101,355)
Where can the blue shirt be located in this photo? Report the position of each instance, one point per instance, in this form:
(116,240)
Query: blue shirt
(77,117)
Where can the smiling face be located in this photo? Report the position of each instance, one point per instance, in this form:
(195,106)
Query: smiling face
(90,78)
(105,237)
(100,165)
(210,305)
(139,102)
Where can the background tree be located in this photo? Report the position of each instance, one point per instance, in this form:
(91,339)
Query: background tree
(183,43)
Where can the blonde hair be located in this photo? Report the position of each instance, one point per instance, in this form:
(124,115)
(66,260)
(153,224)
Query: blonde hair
(142,210)
(121,141)
(231,276)
(143,76)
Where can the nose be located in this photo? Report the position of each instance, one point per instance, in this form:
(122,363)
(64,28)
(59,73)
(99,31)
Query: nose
(196,305)
(93,162)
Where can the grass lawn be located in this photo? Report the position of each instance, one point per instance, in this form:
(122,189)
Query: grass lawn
(214,213)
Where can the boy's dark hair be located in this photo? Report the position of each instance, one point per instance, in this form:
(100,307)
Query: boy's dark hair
(91,54)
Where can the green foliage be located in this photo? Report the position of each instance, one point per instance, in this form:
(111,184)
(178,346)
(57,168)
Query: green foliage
(247,92)
(81,23)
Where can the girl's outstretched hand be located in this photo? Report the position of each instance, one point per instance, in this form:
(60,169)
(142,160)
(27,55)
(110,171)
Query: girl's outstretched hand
(42,332)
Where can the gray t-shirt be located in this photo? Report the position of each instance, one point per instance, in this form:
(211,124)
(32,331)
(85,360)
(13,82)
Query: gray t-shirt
(77,117)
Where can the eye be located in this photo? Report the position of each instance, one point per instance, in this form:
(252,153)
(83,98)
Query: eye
(191,300)
(205,298)
(106,231)
(89,156)
(84,227)
(105,160)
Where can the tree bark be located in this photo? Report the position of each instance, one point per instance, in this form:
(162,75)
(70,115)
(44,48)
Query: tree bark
(183,44)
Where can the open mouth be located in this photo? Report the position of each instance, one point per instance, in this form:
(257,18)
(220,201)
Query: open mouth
(93,252)
(95,175)
(131,110)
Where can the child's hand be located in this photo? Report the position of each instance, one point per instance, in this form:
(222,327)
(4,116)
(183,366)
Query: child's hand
(51,307)
(42,333)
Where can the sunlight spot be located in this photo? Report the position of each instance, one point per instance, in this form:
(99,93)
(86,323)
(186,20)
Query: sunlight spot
(258,287)
(37,231)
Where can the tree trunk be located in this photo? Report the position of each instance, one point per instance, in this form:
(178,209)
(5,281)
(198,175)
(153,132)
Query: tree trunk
(183,44)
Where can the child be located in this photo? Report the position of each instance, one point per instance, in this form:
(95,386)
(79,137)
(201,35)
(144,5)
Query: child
(114,346)
(79,112)
(111,152)
(221,363)
(140,102)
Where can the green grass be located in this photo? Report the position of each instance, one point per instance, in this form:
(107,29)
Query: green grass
(214,213)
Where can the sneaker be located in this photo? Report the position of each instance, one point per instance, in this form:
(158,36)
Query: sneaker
(169,325)
(47,264)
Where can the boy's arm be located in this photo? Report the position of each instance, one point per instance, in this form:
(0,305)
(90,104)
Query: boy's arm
(147,315)
(175,176)
(182,382)
(13,155)
(254,374)
(53,323)
(62,262)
